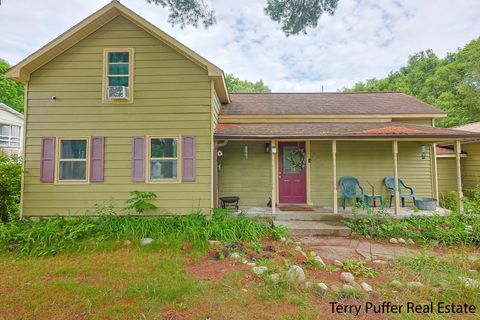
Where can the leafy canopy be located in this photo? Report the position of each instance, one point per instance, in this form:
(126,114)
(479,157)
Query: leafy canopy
(11,92)
(295,16)
(451,84)
(234,84)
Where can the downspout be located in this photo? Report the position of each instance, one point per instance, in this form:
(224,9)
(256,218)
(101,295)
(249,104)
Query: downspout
(215,171)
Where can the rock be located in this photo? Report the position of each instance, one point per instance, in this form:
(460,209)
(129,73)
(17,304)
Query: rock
(410,242)
(244,290)
(393,240)
(283,239)
(347,277)
(379,262)
(259,270)
(308,285)
(321,289)
(127,242)
(251,264)
(295,274)
(298,248)
(366,287)
(146,241)
(368,236)
(319,261)
(275,277)
(214,243)
(335,288)
(415,285)
(396,284)
(469,282)
(348,289)
(235,256)
(402,241)
(338,263)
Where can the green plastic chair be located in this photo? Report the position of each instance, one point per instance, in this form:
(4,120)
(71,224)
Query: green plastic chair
(390,184)
(348,185)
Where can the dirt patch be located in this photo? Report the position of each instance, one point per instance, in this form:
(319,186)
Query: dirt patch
(209,268)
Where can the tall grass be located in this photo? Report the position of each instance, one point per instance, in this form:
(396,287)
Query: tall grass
(53,235)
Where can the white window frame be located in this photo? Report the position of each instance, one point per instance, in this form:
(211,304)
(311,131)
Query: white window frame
(10,139)
(131,75)
(58,160)
(178,158)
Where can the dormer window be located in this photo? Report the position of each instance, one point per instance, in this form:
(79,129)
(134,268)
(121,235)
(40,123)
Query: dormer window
(118,76)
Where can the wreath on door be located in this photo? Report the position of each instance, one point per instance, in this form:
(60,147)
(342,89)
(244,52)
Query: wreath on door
(298,158)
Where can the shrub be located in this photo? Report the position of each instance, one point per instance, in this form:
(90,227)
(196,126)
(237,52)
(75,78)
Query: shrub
(49,236)
(10,182)
(471,201)
(140,201)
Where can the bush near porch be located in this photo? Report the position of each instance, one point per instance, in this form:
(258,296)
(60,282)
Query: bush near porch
(453,229)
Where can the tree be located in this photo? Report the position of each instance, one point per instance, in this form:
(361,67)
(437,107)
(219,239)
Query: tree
(295,16)
(451,84)
(11,92)
(236,85)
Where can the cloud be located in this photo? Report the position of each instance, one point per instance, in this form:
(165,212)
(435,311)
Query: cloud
(364,39)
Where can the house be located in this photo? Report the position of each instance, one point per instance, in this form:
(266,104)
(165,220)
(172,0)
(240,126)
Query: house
(11,124)
(470,161)
(115,105)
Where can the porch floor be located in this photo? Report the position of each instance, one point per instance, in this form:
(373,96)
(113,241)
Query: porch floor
(326,213)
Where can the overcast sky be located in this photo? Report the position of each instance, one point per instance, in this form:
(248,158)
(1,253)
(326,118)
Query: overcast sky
(364,39)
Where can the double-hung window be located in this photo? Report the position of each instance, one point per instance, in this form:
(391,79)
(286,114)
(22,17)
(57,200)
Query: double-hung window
(163,157)
(73,159)
(9,135)
(118,75)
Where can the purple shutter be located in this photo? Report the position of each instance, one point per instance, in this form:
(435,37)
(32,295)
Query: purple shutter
(47,161)
(96,159)
(138,159)
(188,158)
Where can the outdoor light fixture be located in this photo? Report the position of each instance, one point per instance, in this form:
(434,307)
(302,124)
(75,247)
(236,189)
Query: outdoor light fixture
(424,152)
(267,147)
(245,152)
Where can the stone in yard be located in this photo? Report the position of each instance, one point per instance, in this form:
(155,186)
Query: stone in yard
(319,261)
(338,263)
(379,262)
(251,264)
(347,277)
(214,243)
(308,285)
(235,256)
(127,242)
(295,274)
(366,287)
(283,239)
(415,285)
(368,236)
(396,284)
(146,241)
(259,270)
(335,288)
(469,282)
(401,240)
(275,277)
(298,248)
(393,240)
(321,289)
(410,242)
(348,289)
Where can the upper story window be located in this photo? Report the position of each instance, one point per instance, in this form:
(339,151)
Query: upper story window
(9,135)
(118,75)
(73,159)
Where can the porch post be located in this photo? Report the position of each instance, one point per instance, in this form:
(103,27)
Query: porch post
(274,178)
(395,176)
(334,175)
(435,172)
(458,150)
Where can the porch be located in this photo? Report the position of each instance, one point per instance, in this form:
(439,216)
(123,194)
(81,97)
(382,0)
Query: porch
(302,163)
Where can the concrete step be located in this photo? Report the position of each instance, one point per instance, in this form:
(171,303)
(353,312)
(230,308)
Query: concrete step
(310,216)
(314,228)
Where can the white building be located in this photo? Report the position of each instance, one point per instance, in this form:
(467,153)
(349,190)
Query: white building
(11,136)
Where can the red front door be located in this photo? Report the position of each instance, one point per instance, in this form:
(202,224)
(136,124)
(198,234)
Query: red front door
(292,178)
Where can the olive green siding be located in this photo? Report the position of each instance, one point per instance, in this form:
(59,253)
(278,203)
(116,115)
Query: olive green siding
(172,96)
(447,175)
(471,165)
(368,161)
(250,179)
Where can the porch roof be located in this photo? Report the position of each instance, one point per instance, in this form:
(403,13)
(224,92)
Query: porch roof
(337,130)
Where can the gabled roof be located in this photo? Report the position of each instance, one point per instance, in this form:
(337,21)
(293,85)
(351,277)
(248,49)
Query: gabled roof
(21,72)
(337,130)
(332,103)
(3,106)
(475,127)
